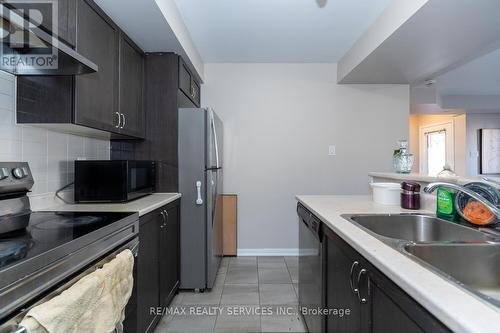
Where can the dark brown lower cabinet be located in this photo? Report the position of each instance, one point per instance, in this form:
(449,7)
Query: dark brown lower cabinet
(339,292)
(169,255)
(158,264)
(390,309)
(148,288)
(375,303)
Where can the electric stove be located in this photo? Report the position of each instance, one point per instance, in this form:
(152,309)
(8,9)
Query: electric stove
(40,250)
(49,230)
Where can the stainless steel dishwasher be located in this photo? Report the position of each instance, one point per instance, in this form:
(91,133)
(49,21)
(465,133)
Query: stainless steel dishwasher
(311,263)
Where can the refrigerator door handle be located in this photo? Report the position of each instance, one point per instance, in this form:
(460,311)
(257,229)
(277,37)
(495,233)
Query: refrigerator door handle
(216,143)
(214,196)
(199,200)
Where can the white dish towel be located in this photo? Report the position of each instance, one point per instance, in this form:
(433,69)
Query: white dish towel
(94,304)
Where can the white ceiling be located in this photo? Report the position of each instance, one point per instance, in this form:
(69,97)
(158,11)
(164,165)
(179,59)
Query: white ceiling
(480,76)
(277,30)
(473,87)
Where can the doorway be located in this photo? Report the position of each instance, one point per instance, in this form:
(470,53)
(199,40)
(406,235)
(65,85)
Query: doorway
(436,148)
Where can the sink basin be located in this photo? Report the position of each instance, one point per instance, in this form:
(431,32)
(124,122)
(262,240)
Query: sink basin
(418,228)
(475,265)
(464,255)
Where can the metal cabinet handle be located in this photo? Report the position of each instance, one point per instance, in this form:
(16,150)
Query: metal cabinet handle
(119,120)
(351,283)
(362,272)
(124,121)
(163,218)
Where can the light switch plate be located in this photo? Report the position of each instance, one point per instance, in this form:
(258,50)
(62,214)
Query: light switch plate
(332,150)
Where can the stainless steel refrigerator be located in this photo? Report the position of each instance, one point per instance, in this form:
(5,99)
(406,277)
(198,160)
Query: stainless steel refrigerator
(200,182)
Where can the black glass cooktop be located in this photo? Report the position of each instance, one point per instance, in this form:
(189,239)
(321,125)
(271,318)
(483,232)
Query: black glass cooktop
(48,230)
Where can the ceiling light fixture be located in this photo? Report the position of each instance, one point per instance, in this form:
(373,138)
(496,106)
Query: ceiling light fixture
(430,82)
(321,3)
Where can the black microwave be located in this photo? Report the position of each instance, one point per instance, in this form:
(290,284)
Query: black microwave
(113,181)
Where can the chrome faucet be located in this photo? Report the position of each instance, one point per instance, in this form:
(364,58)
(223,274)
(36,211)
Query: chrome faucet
(433,186)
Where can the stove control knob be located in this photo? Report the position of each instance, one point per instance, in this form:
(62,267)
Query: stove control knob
(4,173)
(18,173)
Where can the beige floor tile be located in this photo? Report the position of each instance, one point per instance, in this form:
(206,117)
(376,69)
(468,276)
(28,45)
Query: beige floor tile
(240,294)
(271,294)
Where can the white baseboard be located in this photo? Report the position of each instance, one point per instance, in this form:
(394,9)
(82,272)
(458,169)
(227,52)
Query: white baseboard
(267,252)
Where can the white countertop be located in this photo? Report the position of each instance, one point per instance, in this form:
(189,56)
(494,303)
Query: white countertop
(143,205)
(458,309)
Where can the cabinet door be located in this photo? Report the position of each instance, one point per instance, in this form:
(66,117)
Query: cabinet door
(96,94)
(185,84)
(67,21)
(387,316)
(131,89)
(339,293)
(148,289)
(161,143)
(169,256)
(392,310)
(188,84)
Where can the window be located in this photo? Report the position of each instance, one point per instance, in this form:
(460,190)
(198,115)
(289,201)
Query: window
(436,148)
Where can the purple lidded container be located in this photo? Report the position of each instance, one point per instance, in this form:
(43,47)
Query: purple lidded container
(410,195)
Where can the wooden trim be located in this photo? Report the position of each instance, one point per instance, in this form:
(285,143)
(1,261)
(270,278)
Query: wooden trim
(229,225)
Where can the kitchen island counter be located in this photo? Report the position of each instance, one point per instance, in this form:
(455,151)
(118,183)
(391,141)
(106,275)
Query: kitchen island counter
(457,308)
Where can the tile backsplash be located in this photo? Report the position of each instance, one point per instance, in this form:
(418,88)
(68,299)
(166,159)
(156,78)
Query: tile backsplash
(50,154)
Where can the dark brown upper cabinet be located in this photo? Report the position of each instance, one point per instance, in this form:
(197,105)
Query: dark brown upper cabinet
(164,74)
(105,104)
(188,83)
(67,21)
(131,103)
(96,94)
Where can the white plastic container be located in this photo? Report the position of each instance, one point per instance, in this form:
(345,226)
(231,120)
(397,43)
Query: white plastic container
(386,193)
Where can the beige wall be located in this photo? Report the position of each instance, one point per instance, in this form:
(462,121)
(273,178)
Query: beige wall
(279,120)
(459,129)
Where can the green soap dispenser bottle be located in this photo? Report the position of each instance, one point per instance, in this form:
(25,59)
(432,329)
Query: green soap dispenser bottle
(446,204)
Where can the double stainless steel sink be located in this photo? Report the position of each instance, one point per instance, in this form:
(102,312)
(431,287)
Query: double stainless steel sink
(467,256)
